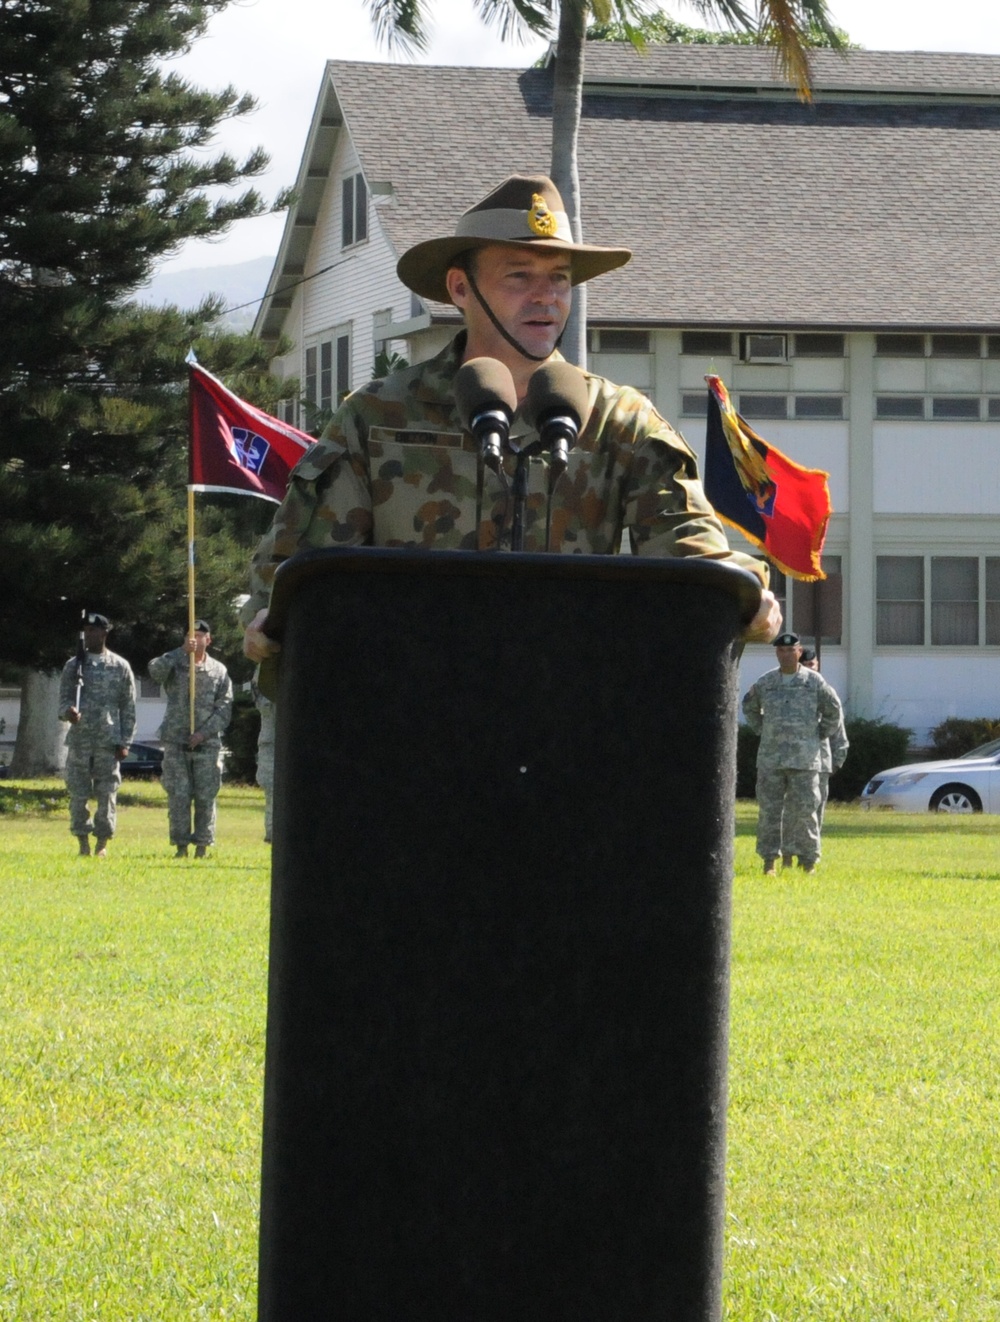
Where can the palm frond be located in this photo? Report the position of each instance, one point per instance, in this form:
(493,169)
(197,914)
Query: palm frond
(514,19)
(399,24)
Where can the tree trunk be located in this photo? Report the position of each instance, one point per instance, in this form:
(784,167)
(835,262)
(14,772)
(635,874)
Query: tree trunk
(40,748)
(567,102)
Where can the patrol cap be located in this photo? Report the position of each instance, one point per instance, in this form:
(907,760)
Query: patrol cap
(525,209)
(787,640)
(201,626)
(96,619)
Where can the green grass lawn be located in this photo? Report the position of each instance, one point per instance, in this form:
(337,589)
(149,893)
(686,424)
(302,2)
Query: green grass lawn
(863,1135)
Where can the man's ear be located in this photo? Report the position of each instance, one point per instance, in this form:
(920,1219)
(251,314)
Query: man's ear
(457,284)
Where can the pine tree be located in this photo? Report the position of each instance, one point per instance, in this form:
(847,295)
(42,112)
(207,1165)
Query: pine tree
(103,172)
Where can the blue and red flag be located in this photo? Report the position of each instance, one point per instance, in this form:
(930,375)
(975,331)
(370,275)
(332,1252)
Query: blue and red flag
(778,505)
(235,446)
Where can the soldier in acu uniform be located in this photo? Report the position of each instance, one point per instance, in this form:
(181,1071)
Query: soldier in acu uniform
(396,467)
(834,749)
(794,710)
(97,697)
(192,758)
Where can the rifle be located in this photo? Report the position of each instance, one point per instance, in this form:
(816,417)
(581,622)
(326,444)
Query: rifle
(81,658)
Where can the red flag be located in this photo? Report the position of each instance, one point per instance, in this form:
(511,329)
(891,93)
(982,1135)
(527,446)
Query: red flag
(236,447)
(778,505)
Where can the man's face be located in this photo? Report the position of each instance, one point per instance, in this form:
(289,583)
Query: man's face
(528,291)
(93,637)
(811,664)
(788,657)
(202,638)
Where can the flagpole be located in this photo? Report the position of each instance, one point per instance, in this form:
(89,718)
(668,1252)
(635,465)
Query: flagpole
(191,662)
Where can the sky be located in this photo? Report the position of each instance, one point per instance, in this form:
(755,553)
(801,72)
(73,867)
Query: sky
(277,49)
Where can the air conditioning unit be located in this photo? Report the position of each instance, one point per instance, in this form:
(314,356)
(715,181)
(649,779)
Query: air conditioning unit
(765,348)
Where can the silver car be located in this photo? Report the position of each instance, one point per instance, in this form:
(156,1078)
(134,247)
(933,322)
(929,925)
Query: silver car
(970,783)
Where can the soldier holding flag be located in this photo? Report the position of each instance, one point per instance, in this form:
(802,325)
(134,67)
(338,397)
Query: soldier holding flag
(97,698)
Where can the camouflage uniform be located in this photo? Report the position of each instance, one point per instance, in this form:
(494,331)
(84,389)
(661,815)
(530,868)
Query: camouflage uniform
(192,776)
(395,468)
(265,759)
(107,723)
(834,752)
(793,715)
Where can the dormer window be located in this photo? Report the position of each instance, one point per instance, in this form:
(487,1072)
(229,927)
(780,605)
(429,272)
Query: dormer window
(354,211)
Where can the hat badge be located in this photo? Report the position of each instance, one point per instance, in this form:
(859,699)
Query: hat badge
(541,221)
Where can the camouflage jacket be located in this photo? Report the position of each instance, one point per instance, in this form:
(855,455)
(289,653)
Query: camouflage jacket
(834,749)
(395,468)
(213,697)
(107,704)
(793,718)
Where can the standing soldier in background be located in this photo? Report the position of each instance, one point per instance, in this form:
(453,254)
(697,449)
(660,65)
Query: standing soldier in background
(793,710)
(192,757)
(265,758)
(833,750)
(97,697)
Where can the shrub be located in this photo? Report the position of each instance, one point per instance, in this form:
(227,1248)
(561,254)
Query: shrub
(956,736)
(875,745)
(241,740)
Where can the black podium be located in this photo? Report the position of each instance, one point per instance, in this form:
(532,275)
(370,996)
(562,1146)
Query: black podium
(495,1084)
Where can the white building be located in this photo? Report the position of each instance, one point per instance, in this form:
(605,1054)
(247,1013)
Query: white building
(836,263)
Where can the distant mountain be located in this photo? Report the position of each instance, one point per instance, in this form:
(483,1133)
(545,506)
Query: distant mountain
(239,284)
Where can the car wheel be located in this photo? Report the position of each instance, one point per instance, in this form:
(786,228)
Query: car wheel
(956,798)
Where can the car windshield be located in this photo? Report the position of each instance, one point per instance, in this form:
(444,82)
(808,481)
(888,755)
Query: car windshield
(984,750)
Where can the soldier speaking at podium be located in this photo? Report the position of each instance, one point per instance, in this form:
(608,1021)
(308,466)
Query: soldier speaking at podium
(397,465)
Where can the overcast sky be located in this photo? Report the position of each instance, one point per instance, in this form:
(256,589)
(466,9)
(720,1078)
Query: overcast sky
(277,49)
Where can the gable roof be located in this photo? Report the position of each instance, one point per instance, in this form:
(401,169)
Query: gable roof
(873,206)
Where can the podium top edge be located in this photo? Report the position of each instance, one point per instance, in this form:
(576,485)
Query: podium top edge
(695,572)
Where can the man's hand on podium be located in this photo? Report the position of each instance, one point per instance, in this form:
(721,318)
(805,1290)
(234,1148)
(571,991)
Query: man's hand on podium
(766,624)
(256,644)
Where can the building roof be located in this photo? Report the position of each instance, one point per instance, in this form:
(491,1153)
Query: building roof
(872,207)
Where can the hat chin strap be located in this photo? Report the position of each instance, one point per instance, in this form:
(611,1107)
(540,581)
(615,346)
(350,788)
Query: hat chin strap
(532,357)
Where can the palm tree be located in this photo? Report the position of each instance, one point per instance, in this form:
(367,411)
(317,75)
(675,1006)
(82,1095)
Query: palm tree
(790,27)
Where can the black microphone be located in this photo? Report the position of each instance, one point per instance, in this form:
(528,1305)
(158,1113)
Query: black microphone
(487,401)
(557,406)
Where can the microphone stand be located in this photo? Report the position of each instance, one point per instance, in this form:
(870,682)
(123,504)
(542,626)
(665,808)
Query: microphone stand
(521,492)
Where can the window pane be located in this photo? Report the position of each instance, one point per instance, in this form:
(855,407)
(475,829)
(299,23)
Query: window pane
(819,346)
(899,406)
(705,343)
(955,346)
(992,601)
(899,623)
(954,578)
(764,406)
(819,607)
(954,601)
(899,611)
(993,346)
(992,578)
(899,346)
(763,346)
(899,578)
(325,374)
(343,366)
(624,341)
(347,213)
(819,406)
(360,209)
(951,406)
(311,375)
(994,408)
(695,406)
